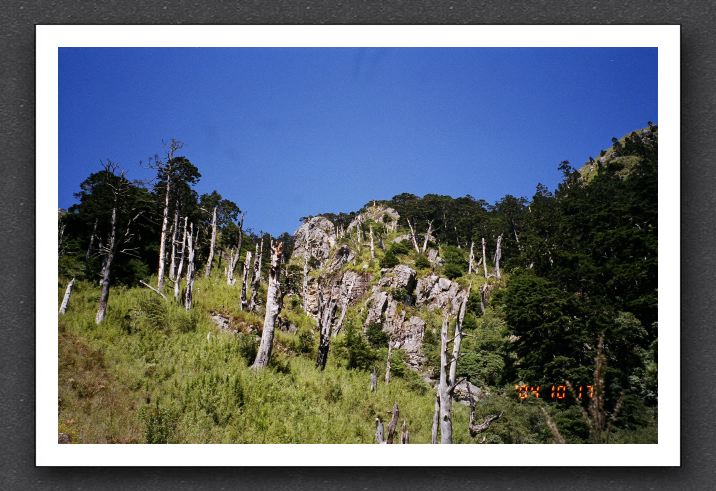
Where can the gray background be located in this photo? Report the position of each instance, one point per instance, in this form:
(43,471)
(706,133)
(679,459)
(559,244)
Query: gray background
(17,239)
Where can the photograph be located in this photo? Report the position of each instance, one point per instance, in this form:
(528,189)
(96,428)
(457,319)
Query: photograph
(357,245)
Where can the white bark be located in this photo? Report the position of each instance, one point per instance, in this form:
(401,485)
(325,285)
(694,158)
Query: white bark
(163,238)
(484,256)
(472,257)
(413,237)
(372,247)
(234,257)
(161,294)
(91,242)
(498,255)
(379,438)
(444,385)
(388,362)
(108,258)
(405,434)
(188,300)
(66,298)
(436,419)
(245,281)
(212,244)
(273,307)
(427,236)
(374,380)
(344,307)
(180,267)
(172,263)
(256,281)
(393,426)
(326,312)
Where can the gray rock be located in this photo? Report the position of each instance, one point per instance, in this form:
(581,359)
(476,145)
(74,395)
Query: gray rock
(377,213)
(462,395)
(438,293)
(401,276)
(321,235)
(409,336)
(377,304)
(434,258)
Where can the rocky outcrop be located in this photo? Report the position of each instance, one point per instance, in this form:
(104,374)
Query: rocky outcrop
(383,215)
(401,276)
(409,336)
(343,256)
(434,258)
(345,289)
(319,235)
(437,293)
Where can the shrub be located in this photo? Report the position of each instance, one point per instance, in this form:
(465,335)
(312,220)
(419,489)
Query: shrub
(376,337)
(399,248)
(422,262)
(389,260)
(159,423)
(248,347)
(356,351)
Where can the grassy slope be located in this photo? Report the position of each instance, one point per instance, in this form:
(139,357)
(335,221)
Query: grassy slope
(139,378)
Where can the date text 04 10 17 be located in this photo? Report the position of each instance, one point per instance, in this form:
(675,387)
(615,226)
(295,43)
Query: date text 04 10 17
(556,392)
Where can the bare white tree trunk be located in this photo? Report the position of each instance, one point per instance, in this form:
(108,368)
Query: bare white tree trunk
(163,238)
(372,247)
(326,311)
(413,237)
(66,298)
(344,307)
(374,380)
(212,244)
(379,438)
(172,263)
(388,362)
(484,256)
(180,267)
(427,236)
(498,255)
(91,242)
(273,307)
(108,258)
(472,257)
(190,268)
(404,433)
(393,426)
(234,257)
(256,281)
(444,385)
(245,281)
(436,420)
(306,255)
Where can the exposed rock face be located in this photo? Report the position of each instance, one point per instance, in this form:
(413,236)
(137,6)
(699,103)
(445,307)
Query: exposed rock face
(321,235)
(409,335)
(462,395)
(434,258)
(400,276)
(343,256)
(437,293)
(379,214)
(347,287)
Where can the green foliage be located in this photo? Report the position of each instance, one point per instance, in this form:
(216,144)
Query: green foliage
(455,261)
(389,260)
(376,336)
(355,349)
(159,423)
(421,262)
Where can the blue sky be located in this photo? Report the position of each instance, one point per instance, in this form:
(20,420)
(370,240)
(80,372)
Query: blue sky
(292,132)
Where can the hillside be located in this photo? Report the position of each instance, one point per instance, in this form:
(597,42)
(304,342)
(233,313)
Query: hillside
(546,308)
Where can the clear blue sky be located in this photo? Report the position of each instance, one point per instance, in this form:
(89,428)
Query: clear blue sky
(291,132)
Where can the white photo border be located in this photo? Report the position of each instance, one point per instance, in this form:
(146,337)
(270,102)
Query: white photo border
(664,37)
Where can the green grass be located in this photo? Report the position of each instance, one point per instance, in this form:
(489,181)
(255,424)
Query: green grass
(150,373)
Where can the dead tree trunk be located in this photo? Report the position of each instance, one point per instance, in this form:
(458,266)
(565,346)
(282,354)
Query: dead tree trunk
(91,242)
(344,307)
(306,255)
(256,281)
(372,246)
(190,268)
(474,427)
(212,244)
(66,298)
(106,266)
(234,258)
(326,311)
(172,263)
(387,363)
(444,385)
(245,281)
(374,380)
(484,256)
(436,419)
(405,434)
(393,425)
(379,438)
(180,267)
(273,307)
(498,255)
(163,238)
(413,237)
(427,236)
(471,261)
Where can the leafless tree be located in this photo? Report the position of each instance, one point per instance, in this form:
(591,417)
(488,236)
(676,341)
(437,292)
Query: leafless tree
(245,281)
(66,298)
(273,307)
(190,269)
(172,148)
(413,237)
(180,267)
(212,245)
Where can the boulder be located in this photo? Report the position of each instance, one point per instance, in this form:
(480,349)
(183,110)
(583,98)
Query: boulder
(379,214)
(321,236)
(409,337)
(401,276)
(434,258)
(437,293)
